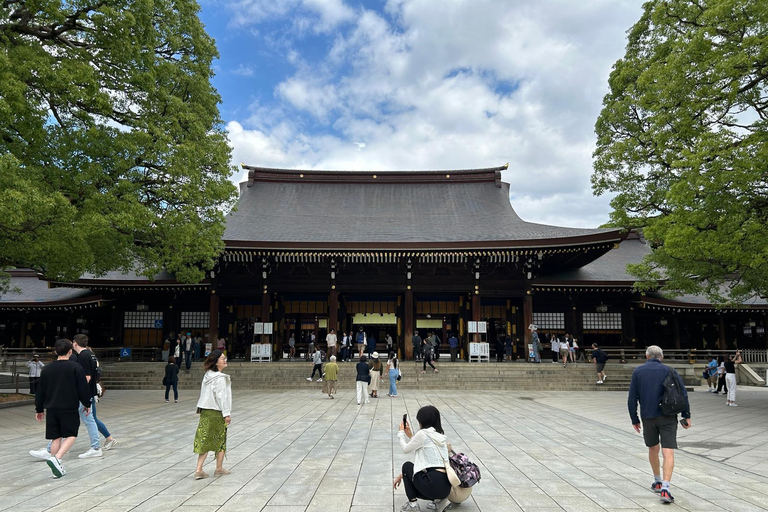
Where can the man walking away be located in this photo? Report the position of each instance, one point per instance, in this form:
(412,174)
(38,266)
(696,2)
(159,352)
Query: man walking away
(416,340)
(361,341)
(599,358)
(647,387)
(453,343)
(92,424)
(35,368)
(62,389)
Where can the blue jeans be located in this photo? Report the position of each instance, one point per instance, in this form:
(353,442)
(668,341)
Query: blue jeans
(393,373)
(188,358)
(101,426)
(90,426)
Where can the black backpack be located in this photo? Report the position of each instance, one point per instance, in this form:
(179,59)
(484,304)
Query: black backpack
(96,368)
(673,401)
(600,356)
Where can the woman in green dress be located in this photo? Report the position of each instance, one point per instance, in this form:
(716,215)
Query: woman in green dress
(214,408)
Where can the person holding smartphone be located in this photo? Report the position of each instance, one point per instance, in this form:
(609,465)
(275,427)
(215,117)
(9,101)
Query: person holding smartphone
(659,430)
(424,478)
(730,378)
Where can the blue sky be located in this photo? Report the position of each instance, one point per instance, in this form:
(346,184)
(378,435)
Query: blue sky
(417,84)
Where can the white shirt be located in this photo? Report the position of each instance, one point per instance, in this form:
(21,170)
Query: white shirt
(556,345)
(35,368)
(431,448)
(331,340)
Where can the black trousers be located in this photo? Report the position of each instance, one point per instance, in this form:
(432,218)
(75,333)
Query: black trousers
(317,368)
(175,386)
(33,385)
(454,351)
(721,383)
(428,361)
(426,485)
(417,353)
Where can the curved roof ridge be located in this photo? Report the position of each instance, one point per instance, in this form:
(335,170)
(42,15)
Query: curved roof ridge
(269,174)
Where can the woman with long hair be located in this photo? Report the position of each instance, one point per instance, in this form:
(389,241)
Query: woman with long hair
(393,373)
(424,478)
(214,408)
(376,371)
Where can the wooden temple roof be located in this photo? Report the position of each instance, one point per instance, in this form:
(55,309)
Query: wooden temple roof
(390,210)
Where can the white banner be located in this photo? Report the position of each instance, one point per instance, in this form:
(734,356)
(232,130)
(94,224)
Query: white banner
(258,328)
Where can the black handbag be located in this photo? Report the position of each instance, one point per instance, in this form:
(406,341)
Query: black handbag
(165,381)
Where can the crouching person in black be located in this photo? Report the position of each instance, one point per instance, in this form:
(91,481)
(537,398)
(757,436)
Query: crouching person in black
(425,477)
(61,390)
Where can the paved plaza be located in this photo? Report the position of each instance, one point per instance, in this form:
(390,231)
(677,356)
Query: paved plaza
(299,451)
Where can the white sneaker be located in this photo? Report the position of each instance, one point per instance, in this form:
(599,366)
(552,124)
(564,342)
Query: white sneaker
(41,454)
(56,468)
(109,444)
(604,376)
(599,382)
(734,404)
(309,379)
(408,505)
(319,380)
(431,505)
(90,454)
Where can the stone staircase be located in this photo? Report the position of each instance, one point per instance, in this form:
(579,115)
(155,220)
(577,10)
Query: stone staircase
(460,375)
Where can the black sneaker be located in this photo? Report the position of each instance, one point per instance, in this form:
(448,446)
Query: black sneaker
(656,487)
(666,497)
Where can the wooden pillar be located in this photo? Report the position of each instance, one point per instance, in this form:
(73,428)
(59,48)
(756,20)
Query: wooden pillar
(476,314)
(527,320)
(265,316)
(721,331)
(213,326)
(408,324)
(333,310)
(676,330)
(23,333)
(630,330)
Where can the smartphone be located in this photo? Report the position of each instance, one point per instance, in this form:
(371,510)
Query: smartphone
(684,422)
(405,421)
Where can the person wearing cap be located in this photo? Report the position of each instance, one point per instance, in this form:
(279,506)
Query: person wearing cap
(376,370)
(35,369)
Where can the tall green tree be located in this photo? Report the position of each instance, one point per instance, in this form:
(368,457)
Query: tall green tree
(683,145)
(112,150)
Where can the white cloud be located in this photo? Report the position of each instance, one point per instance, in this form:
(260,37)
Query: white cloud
(324,15)
(473,83)
(243,70)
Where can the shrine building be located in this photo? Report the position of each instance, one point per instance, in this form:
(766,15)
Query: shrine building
(394,253)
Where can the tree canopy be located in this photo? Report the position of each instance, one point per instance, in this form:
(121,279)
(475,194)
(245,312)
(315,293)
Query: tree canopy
(112,151)
(682,143)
